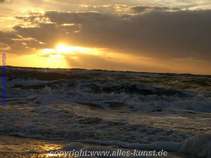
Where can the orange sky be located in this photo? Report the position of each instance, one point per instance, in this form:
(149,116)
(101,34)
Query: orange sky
(135,35)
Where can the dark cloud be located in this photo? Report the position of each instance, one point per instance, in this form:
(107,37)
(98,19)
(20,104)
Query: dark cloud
(158,33)
(16,43)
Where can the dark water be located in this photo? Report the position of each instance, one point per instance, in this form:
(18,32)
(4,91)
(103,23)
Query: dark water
(66,106)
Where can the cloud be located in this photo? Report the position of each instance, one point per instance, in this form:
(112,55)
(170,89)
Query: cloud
(139,9)
(179,34)
(15,43)
(158,33)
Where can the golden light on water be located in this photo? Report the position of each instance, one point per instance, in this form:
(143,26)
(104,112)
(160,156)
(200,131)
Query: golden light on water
(53,155)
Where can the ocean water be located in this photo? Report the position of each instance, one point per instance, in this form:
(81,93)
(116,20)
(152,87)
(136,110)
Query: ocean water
(53,108)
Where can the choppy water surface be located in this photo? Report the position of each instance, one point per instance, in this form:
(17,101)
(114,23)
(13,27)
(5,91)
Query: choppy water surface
(64,106)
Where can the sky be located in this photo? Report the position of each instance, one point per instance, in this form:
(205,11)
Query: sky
(129,35)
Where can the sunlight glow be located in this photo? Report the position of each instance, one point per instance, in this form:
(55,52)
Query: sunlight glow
(62,48)
(64,55)
(56,57)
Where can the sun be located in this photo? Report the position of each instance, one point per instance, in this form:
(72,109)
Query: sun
(58,56)
(67,49)
(62,48)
